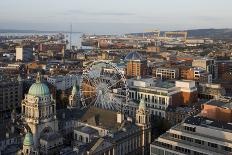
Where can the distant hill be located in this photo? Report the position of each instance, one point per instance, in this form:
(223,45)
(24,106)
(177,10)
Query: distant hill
(224,34)
(211,33)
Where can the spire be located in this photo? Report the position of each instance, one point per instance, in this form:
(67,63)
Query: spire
(38,78)
(74,89)
(19,78)
(142,104)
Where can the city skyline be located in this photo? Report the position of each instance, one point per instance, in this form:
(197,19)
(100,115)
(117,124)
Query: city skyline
(115,16)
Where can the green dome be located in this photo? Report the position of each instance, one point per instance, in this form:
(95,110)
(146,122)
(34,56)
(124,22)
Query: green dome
(28,140)
(39,89)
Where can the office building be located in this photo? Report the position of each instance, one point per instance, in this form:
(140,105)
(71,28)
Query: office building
(196,135)
(11,93)
(24,54)
(136,65)
(166,73)
(63,82)
(159,95)
(206,64)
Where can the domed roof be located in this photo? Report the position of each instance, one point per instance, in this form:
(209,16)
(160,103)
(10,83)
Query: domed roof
(133,56)
(39,88)
(28,140)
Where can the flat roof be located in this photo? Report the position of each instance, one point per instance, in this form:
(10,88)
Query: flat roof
(205,122)
(219,102)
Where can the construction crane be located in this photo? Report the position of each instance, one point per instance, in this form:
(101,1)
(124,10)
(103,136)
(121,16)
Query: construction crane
(176,33)
(155,31)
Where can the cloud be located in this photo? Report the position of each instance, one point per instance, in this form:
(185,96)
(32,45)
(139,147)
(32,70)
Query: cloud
(104,13)
(209,18)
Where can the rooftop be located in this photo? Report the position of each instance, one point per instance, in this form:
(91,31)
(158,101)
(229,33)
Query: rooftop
(100,117)
(205,122)
(133,56)
(87,130)
(226,103)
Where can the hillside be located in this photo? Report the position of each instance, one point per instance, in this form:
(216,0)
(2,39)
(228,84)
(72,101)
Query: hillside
(211,33)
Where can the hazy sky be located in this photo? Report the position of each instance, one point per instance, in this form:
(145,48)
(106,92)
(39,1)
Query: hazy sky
(115,16)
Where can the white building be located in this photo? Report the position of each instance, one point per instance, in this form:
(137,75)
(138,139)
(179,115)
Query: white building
(63,82)
(158,95)
(195,136)
(167,73)
(205,63)
(39,115)
(24,54)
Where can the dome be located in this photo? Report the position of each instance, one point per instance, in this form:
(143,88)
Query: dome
(39,88)
(28,140)
(133,56)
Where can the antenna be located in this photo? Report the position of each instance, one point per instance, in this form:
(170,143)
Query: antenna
(70,35)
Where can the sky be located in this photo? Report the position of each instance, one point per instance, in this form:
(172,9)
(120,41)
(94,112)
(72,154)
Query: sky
(115,16)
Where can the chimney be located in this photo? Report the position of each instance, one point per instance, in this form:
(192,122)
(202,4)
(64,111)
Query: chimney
(120,117)
(7,135)
(63,115)
(12,129)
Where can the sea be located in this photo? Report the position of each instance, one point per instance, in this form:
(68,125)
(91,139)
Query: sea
(75,38)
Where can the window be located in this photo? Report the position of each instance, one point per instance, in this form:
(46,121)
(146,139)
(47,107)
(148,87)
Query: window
(226,148)
(212,145)
(199,141)
(157,151)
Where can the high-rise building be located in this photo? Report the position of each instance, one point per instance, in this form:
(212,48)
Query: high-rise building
(24,54)
(136,65)
(207,64)
(10,96)
(196,135)
(166,73)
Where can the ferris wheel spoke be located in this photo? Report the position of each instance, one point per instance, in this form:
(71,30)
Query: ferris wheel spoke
(92,102)
(116,101)
(96,101)
(88,91)
(95,82)
(114,76)
(99,85)
(111,106)
(120,95)
(86,77)
(88,97)
(114,83)
(117,107)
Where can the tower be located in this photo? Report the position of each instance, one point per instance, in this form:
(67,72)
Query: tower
(70,39)
(136,65)
(39,110)
(28,145)
(143,121)
(73,98)
(20,92)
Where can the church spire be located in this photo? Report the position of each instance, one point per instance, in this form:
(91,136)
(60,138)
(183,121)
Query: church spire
(74,89)
(38,77)
(142,104)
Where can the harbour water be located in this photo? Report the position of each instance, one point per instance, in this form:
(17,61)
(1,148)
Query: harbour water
(75,39)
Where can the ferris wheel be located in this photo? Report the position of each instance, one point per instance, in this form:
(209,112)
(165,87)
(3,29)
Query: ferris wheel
(103,85)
